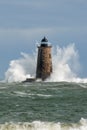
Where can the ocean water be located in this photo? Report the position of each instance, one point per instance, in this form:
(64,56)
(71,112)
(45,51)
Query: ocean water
(43,106)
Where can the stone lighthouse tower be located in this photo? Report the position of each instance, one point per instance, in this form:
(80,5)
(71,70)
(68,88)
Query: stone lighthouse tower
(44,60)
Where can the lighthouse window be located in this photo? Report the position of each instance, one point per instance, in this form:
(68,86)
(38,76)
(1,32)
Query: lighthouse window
(49,55)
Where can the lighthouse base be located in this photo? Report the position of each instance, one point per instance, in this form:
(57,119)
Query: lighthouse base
(29,80)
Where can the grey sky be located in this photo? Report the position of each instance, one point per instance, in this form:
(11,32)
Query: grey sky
(22,22)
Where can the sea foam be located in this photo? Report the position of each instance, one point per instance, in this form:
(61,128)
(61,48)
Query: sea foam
(38,125)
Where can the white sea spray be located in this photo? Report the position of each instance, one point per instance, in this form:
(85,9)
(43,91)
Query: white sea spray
(65,63)
(21,68)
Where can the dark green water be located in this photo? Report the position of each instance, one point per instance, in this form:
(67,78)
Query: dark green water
(65,102)
(46,102)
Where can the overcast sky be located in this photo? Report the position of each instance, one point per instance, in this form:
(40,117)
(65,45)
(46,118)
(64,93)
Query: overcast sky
(23,22)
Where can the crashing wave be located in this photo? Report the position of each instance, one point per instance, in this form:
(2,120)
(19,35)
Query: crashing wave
(38,125)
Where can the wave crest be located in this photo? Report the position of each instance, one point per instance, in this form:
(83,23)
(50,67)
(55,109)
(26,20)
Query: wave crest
(38,125)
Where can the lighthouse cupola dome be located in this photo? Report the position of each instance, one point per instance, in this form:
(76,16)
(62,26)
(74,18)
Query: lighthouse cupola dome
(44,42)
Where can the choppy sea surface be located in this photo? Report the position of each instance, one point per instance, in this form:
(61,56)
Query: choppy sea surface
(43,106)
